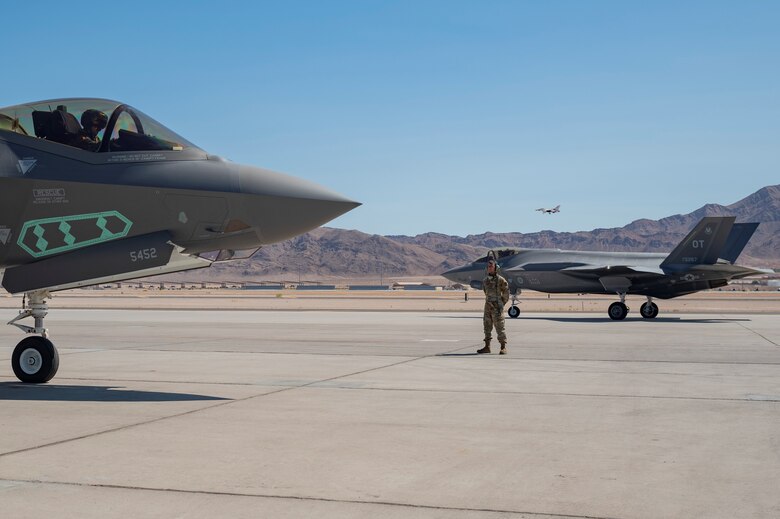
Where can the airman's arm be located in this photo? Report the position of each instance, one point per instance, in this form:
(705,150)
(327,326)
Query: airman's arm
(504,291)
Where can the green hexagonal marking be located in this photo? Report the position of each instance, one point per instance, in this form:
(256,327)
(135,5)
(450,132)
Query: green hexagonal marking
(71,242)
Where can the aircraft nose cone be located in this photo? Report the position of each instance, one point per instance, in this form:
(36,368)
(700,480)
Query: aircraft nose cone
(282,206)
(459,274)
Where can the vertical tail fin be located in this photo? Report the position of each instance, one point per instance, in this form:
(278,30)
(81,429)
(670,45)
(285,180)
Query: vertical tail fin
(738,237)
(703,245)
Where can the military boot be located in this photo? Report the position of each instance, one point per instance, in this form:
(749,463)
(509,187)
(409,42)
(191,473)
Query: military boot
(486,349)
(503,349)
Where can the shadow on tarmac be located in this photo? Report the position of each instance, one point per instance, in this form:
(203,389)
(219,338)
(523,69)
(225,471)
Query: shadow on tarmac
(597,319)
(629,320)
(55,393)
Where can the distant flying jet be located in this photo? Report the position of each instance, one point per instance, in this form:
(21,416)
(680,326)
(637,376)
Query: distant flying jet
(94,191)
(704,259)
(556,209)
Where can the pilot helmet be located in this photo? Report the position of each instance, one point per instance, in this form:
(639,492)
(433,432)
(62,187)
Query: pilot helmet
(93,119)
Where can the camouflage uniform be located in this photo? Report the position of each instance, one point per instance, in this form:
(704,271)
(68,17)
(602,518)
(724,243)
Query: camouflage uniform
(496,296)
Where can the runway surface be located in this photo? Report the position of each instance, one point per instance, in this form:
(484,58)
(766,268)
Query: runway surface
(367,414)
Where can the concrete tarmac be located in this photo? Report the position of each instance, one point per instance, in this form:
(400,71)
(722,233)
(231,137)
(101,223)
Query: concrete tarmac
(198,413)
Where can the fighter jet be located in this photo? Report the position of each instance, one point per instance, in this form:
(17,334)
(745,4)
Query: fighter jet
(556,209)
(95,191)
(703,260)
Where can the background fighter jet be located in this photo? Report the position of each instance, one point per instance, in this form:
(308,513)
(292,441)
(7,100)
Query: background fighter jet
(704,259)
(556,209)
(92,191)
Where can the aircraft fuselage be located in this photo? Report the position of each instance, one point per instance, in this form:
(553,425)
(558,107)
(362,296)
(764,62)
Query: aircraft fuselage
(55,200)
(695,264)
(93,191)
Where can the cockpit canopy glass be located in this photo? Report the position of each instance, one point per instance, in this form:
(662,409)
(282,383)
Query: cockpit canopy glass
(499,255)
(96,125)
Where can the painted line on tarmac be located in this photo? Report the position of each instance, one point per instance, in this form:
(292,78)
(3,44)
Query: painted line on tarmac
(770,341)
(309,498)
(193,411)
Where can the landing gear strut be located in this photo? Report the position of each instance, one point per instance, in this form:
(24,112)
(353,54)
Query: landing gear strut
(649,309)
(35,359)
(514,310)
(618,310)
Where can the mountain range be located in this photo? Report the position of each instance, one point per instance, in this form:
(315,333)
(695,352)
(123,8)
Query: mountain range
(333,255)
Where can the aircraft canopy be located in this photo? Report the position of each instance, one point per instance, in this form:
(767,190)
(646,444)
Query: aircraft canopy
(64,120)
(500,254)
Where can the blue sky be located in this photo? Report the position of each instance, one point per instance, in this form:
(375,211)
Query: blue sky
(447,116)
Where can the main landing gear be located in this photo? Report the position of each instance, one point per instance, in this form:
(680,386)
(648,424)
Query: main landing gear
(35,359)
(618,310)
(649,309)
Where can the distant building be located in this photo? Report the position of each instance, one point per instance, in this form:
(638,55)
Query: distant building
(413,285)
(263,286)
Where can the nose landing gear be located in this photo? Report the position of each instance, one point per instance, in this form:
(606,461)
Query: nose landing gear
(514,310)
(35,359)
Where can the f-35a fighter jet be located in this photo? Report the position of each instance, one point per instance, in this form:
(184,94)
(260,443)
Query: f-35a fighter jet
(703,260)
(556,209)
(94,191)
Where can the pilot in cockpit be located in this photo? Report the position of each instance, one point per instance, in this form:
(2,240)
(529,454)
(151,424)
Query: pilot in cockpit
(92,123)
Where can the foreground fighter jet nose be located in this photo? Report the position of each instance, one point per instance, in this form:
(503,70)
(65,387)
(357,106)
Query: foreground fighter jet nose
(283,206)
(300,215)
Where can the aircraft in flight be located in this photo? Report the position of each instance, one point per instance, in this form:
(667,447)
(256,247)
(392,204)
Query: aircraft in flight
(704,259)
(556,209)
(95,191)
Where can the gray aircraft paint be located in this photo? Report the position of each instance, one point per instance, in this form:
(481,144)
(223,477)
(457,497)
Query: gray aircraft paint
(194,197)
(697,263)
(148,202)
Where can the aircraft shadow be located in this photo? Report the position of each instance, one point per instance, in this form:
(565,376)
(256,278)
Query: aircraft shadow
(456,317)
(55,393)
(629,320)
(599,319)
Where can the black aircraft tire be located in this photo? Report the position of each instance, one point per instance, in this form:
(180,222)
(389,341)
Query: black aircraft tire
(617,311)
(35,360)
(649,310)
(514,312)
